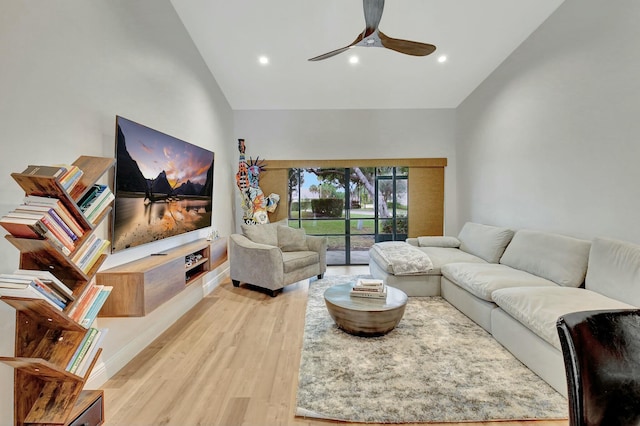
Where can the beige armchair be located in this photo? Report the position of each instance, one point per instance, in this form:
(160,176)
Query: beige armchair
(274,255)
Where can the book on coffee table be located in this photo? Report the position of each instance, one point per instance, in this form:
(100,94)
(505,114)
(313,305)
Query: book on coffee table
(369,288)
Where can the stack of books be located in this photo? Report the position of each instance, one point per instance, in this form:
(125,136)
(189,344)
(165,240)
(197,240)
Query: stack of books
(86,351)
(67,175)
(86,308)
(88,254)
(71,177)
(36,285)
(372,288)
(95,201)
(44,217)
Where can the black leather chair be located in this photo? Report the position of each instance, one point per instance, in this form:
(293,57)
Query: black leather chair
(601,351)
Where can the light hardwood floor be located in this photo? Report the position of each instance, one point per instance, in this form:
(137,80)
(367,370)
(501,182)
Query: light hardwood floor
(232,360)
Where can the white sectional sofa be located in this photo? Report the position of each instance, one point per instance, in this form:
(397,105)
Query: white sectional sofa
(519,283)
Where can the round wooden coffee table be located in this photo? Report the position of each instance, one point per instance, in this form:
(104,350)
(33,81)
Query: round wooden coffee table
(363,316)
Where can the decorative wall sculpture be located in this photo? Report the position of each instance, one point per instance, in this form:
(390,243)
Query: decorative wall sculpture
(254,203)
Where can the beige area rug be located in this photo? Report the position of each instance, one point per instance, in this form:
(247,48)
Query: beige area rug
(435,366)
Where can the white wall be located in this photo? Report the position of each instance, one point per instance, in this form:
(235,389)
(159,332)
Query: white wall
(67,69)
(348,134)
(550,140)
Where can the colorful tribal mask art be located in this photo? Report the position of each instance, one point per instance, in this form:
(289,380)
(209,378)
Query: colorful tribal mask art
(254,203)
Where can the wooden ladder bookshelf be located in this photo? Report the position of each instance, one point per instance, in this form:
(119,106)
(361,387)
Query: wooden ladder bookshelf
(46,339)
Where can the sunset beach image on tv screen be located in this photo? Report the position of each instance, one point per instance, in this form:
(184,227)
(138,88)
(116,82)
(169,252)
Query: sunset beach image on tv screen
(163,186)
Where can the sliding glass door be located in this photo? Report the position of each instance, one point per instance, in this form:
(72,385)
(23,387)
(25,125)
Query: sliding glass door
(353,207)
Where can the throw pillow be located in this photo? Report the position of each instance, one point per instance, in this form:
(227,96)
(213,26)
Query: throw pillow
(263,233)
(292,239)
(447,242)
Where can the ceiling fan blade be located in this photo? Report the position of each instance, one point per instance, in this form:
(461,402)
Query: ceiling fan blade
(337,51)
(405,46)
(330,54)
(372,15)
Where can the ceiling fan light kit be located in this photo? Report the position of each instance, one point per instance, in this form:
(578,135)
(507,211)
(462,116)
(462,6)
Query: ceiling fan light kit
(373,37)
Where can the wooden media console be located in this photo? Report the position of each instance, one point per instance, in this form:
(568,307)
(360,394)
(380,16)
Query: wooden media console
(142,285)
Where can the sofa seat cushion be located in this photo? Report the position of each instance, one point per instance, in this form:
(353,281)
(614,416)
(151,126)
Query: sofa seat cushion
(400,258)
(538,308)
(556,257)
(482,280)
(441,256)
(294,260)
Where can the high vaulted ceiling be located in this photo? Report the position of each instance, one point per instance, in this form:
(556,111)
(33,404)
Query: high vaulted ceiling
(475,35)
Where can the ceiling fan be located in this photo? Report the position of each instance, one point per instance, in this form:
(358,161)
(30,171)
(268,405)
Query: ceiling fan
(373,37)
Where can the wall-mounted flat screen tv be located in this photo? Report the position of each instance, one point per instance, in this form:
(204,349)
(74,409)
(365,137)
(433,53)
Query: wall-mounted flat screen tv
(163,186)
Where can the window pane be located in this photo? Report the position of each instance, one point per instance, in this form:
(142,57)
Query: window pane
(336,253)
(362,226)
(360,245)
(323,226)
(401,198)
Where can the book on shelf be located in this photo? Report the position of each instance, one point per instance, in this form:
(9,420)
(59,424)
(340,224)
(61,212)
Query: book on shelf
(95,256)
(22,228)
(95,201)
(49,223)
(31,291)
(59,207)
(34,229)
(91,254)
(50,214)
(94,192)
(82,350)
(64,219)
(83,304)
(82,249)
(95,307)
(71,177)
(80,300)
(100,206)
(83,367)
(47,278)
(45,171)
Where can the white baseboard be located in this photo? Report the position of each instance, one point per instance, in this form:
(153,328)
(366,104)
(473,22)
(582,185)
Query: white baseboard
(165,316)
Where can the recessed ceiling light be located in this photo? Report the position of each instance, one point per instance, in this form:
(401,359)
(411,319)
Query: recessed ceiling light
(263,60)
(442,58)
(354,59)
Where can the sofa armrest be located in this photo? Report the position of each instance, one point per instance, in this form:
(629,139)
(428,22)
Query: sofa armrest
(413,241)
(319,245)
(255,263)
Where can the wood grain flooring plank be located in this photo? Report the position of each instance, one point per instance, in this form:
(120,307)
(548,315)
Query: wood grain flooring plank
(231,360)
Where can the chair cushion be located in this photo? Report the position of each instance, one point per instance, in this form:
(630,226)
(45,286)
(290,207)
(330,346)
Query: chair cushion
(292,239)
(538,308)
(485,241)
(482,279)
(555,257)
(266,233)
(294,260)
(614,270)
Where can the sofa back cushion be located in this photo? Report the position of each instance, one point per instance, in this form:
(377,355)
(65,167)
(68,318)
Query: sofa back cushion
(614,270)
(485,241)
(555,257)
(266,233)
(292,239)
